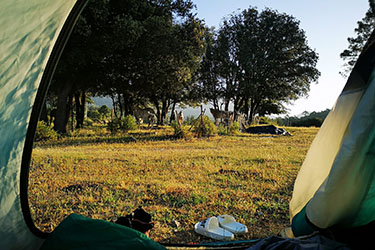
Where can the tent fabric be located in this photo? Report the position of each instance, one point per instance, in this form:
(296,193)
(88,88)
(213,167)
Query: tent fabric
(29,30)
(335,186)
(79,232)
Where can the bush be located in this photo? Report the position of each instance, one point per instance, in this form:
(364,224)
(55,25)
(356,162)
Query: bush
(204,127)
(181,131)
(125,124)
(233,129)
(44,132)
(129,123)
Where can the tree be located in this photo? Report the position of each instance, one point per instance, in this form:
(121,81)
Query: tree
(209,87)
(136,51)
(264,61)
(168,55)
(357,44)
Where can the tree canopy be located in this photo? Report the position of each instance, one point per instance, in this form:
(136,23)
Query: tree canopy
(356,44)
(260,61)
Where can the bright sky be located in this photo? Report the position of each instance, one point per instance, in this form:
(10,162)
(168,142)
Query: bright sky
(327,23)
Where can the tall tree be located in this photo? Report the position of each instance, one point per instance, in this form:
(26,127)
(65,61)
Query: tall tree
(265,61)
(356,44)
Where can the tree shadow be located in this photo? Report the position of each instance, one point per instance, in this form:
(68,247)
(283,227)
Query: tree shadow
(126,139)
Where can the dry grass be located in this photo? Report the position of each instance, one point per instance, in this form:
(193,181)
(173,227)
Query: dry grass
(104,176)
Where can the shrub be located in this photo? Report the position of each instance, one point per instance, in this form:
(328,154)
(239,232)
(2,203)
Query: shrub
(129,123)
(45,132)
(125,124)
(233,129)
(203,127)
(114,125)
(181,131)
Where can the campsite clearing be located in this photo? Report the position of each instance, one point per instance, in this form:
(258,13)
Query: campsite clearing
(103,176)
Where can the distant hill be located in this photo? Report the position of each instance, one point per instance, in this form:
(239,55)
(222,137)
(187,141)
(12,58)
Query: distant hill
(100,101)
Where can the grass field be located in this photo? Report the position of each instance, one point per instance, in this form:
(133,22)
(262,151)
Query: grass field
(104,176)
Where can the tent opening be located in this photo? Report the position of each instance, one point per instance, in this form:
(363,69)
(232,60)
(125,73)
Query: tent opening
(97,170)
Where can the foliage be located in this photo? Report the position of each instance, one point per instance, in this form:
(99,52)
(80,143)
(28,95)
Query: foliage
(105,112)
(308,122)
(204,127)
(44,132)
(259,61)
(357,44)
(124,124)
(210,87)
(265,120)
(129,123)
(99,114)
(313,119)
(93,113)
(181,132)
(233,129)
(88,122)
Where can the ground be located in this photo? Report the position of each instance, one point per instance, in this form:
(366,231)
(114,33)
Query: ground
(104,176)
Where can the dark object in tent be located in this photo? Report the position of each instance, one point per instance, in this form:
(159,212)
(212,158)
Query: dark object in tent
(268,129)
(139,220)
(334,191)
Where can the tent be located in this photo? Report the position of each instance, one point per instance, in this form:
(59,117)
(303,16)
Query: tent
(334,189)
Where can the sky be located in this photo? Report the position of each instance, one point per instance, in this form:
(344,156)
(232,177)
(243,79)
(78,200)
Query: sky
(327,25)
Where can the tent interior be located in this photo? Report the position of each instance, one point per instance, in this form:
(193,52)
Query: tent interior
(334,192)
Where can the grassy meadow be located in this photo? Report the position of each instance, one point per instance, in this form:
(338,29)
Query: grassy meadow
(179,182)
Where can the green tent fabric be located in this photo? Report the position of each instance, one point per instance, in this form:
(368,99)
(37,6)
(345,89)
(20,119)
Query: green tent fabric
(81,233)
(335,187)
(29,31)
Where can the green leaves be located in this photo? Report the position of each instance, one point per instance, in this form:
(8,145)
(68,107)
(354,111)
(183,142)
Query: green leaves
(357,44)
(261,58)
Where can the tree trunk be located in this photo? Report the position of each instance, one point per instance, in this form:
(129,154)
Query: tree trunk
(120,105)
(226,104)
(253,108)
(63,108)
(158,111)
(114,109)
(164,110)
(70,113)
(80,101)
(173,116)
(44,114)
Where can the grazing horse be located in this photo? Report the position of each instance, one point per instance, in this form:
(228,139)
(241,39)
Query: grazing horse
(145,114)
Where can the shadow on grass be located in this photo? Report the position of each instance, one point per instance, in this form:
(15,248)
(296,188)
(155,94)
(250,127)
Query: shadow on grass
(131,138)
